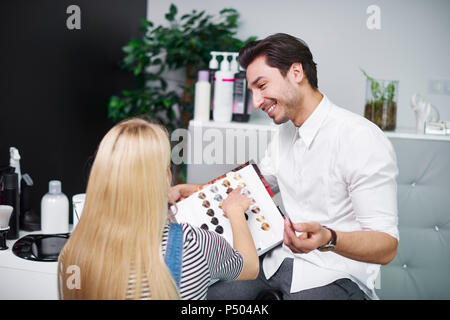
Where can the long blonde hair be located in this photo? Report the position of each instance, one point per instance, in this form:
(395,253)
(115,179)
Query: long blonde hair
(125,211)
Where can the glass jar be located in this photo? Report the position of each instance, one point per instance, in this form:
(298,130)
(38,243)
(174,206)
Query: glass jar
(381,103)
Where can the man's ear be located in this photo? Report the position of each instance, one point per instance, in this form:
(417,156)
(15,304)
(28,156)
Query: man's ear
(296,72)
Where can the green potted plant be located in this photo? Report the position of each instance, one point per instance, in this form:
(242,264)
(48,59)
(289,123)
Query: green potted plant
(184,44)
(381,102)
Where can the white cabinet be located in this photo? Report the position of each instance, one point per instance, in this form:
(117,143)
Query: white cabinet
(214,148)
(22,279)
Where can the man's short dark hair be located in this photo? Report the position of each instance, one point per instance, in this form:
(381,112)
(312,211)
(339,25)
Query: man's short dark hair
(281,51)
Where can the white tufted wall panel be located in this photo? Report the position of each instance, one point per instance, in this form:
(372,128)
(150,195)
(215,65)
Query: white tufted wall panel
(421,269)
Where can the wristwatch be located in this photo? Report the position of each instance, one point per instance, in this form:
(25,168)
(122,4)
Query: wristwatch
(330,246)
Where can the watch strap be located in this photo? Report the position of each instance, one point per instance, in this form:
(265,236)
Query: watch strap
(333,236)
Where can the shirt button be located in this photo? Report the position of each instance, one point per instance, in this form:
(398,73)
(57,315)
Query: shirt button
(413,184)
(436,228)
(404,266)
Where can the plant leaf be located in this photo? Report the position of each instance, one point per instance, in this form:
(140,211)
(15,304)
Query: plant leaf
(173,10)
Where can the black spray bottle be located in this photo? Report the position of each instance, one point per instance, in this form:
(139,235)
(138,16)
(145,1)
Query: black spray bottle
(241,105)
(11,197)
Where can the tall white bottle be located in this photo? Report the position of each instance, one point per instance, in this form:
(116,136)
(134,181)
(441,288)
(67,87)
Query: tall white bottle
(202,97)
(54,210)
(223,92)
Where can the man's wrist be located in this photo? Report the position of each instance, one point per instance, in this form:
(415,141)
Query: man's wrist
(332,239)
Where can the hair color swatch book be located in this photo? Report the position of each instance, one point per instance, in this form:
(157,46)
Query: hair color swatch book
(203,208)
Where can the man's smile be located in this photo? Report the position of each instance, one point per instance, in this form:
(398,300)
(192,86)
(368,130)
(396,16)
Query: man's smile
(270,107)
(271,110)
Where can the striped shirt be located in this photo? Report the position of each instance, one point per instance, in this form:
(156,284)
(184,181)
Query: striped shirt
(206,256)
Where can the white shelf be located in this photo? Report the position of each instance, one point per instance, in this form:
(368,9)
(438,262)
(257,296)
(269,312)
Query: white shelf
(251,125)
(411,134)
(261,124)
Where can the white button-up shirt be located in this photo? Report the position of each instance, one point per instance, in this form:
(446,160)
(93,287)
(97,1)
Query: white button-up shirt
(340,170)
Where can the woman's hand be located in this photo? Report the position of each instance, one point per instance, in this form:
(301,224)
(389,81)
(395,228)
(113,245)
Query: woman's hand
(234,207)
(182,191)
(235,203)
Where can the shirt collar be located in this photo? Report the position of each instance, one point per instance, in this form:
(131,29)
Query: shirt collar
(308,130)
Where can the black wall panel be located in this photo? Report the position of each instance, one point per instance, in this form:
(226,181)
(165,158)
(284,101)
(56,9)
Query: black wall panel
(55,84)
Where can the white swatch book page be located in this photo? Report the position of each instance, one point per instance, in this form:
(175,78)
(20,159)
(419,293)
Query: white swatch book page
(203,208)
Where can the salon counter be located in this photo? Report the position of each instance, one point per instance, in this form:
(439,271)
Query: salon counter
(22,279)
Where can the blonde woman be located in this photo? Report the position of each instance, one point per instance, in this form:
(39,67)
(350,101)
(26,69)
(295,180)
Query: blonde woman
(120,242)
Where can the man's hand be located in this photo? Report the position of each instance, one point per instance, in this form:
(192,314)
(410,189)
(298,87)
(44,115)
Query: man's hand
(313,236)
(182,191)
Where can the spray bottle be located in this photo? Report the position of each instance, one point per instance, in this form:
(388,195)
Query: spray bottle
(12,198)
(241,108)
(14,162)
(234,65)
(223,92)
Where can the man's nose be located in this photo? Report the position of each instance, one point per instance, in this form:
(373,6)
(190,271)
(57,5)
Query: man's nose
(257,99)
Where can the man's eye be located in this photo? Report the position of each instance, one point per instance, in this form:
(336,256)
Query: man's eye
(262,86)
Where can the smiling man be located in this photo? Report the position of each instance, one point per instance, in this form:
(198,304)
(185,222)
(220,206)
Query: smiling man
(336,172)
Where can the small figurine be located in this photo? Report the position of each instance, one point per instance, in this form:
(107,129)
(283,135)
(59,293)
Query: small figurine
(424,111)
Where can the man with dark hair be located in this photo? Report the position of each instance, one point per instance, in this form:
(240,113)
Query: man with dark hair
(281,51)
(336,172)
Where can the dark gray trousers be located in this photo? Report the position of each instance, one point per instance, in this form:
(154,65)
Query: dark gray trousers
(341,289)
